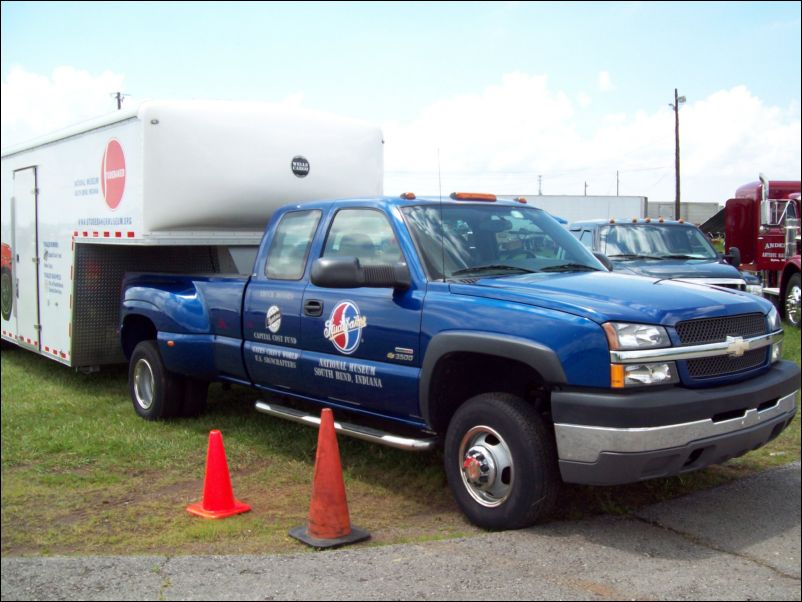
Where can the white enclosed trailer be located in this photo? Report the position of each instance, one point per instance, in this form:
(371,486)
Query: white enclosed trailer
(696,212)
(171,187)
(574,208)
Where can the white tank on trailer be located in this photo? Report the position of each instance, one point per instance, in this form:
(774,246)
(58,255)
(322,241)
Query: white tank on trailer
(208,165)
(205,167)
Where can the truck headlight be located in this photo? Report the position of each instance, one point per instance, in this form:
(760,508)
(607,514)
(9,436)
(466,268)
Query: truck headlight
(638,375)
(775,324)
(623,336)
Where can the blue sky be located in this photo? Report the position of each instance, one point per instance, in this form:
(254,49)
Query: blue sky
(570,91)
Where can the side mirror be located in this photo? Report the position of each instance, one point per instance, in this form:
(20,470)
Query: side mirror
(347,272)
(733,257)
(604,259)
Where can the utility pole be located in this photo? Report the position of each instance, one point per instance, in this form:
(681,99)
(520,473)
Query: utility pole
(586,188)
(119,96)
(540,185)
(678,100)
(616,183)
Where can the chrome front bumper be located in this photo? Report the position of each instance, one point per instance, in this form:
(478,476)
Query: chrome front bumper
(578,443)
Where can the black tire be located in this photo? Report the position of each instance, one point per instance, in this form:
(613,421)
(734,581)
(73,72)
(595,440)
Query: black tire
(156,393)
(6,293)
(501,462)
(790,301)
(195,395)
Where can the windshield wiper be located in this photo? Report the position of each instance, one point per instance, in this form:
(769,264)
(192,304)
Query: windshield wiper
(633,256)
(569,267)
(679,256)
(481,269)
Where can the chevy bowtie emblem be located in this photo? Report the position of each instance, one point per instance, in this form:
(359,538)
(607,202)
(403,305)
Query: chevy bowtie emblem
(736,346)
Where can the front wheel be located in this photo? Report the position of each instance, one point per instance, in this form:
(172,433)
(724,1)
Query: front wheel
(501,462)
(155,392)
(791,301)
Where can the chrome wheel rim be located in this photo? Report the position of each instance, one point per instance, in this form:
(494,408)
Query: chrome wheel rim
(486,466)
(144,384)
(792,305)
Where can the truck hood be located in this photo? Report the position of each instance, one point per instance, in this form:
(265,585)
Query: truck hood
(604,296)
(676,268)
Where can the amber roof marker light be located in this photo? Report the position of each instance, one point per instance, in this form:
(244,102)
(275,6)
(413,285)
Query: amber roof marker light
(473,196)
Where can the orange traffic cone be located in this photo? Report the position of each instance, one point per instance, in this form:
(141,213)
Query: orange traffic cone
(329,524)
(218,497)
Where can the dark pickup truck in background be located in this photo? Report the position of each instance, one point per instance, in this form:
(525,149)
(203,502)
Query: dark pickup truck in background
(661,248)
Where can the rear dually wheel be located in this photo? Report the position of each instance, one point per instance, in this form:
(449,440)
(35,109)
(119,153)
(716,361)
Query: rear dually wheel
(155,392)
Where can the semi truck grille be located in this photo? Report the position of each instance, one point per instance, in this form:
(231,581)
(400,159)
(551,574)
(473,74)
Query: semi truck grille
(714,330)
(710,367)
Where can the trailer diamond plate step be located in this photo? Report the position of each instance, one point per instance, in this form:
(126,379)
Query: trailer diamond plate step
(352,430)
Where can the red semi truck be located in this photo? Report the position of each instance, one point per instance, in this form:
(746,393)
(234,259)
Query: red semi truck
(762,225)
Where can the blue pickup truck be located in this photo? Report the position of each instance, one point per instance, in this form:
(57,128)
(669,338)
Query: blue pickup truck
(476,324)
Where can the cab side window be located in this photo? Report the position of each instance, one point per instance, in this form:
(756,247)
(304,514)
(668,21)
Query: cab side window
(289,249)
(365,234)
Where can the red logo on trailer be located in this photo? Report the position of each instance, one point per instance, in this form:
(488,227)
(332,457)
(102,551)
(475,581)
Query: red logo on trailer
(112,174)
(7,282)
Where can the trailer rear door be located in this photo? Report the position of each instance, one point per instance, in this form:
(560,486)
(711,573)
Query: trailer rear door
(26,258)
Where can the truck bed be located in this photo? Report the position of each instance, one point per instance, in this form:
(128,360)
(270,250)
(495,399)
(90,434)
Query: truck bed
(198,318)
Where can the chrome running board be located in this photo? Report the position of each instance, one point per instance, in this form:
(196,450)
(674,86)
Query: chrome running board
(351,430)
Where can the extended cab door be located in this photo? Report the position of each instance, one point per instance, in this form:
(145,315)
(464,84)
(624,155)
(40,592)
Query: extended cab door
(361,345)
(272,306)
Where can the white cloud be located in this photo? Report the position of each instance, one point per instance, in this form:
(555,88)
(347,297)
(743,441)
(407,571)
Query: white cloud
(605,81)
(501,139)
(293,100)
(34,104)
(506,129)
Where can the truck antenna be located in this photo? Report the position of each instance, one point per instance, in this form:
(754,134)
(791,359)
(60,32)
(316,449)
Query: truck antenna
(442,222)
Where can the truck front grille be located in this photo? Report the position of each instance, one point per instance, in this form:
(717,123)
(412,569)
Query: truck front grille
(710,367)
(715,330)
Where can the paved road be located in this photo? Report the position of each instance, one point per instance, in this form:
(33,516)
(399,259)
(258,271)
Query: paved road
(737,542)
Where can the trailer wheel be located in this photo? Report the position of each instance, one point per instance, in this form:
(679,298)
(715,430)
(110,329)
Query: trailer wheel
(501,462)
(155,392)
(6,293)
(791,301)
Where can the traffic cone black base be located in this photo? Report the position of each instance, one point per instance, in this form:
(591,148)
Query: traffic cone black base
(302,534)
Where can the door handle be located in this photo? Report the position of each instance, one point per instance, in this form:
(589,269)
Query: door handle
(313,307)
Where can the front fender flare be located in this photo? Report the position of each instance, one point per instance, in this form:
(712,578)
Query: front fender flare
(539,357)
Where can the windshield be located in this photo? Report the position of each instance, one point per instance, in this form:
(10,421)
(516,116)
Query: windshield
(655,241)
(464,241)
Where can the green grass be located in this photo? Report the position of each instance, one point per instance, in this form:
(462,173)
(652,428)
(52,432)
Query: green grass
(81,473)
